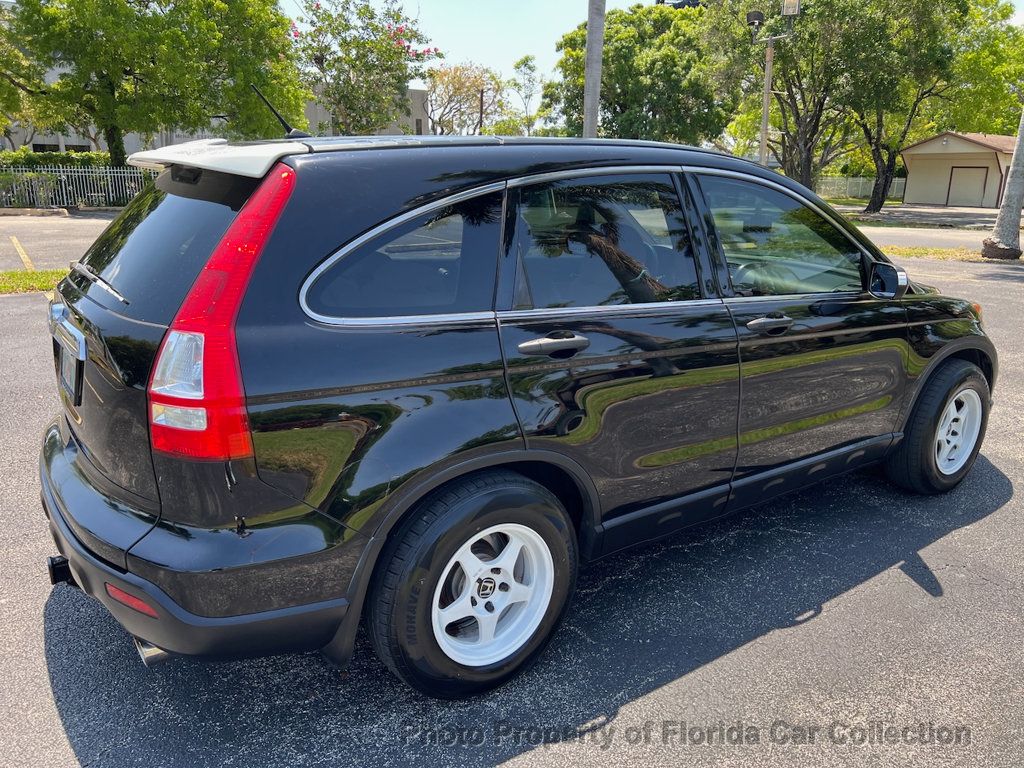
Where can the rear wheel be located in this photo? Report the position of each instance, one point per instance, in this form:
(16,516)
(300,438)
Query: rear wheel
(472,586)
(945,432)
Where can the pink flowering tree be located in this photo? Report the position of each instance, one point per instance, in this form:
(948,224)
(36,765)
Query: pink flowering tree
(358,58)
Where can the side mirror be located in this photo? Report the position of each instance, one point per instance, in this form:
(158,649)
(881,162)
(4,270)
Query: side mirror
(887,281)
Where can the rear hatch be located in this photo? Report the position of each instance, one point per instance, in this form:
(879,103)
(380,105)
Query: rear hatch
(110,314)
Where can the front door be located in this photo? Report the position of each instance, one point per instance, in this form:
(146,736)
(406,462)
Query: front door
(617,357)
(822,361)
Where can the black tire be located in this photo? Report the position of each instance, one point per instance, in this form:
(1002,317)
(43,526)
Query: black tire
(912,464)
(398,615)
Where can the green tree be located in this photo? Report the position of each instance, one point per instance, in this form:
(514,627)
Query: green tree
(810,130)
(463,99)
(127,66)
(740,136)
(988,74)
(654,80)
(358,58)
(20,82)
(898,56)
(527,85)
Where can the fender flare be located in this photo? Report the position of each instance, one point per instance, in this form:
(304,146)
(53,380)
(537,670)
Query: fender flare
(979,344)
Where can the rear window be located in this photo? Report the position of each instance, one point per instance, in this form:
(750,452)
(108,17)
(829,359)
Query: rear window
(443,261)
(153,252)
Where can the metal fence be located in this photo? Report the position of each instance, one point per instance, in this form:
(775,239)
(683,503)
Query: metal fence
(69,187)
(856,187)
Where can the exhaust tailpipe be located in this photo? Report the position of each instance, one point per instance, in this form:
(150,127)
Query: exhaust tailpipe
(149,653)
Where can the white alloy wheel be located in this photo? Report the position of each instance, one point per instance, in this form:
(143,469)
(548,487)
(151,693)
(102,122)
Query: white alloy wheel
(492,595)
(958,430)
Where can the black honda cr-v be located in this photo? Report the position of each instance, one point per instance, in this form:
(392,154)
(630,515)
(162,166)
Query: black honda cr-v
(416,382)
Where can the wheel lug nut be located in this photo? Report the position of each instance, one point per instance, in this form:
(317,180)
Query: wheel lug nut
(472,601)
(503,587)
(489,606)
(495,570)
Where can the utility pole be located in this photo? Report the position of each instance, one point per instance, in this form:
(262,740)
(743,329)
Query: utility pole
(766,103)
(755,20)
(592,67)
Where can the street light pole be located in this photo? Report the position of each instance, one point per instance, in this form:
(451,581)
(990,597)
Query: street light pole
(769,63)
(756,20)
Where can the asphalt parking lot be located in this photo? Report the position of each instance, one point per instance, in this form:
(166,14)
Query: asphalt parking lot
(842,606)
(49,242)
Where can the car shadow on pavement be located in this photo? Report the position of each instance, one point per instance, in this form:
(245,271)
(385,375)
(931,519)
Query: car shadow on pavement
(641,619)
(1012,272)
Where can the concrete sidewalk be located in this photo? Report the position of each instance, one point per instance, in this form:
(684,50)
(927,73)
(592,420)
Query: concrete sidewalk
(924,215)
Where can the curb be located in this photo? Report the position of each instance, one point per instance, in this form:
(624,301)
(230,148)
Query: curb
(33,211)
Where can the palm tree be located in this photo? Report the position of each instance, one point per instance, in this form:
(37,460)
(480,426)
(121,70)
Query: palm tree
(592,67)
(1004,242)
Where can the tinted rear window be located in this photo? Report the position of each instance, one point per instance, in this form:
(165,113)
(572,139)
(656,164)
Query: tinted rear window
(153,252)
(440,262)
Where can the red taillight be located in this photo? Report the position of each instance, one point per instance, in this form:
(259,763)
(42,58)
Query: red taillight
(196,400)
(133,602)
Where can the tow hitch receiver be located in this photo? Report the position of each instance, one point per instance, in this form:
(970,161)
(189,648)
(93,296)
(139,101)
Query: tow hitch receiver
(60,571)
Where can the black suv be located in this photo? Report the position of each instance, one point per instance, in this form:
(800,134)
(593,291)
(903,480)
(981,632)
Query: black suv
(416,382)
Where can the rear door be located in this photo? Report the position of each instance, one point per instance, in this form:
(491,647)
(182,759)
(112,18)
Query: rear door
(110,314)
(822,361)
(618,354)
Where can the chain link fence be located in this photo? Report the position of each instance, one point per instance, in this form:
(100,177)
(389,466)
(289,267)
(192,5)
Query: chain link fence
(69,187)
(856,187)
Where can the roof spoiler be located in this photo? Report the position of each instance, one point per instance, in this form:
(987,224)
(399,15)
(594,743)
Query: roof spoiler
(243,159)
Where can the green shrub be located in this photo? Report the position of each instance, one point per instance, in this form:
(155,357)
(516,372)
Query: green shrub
(27,158)
(35,190)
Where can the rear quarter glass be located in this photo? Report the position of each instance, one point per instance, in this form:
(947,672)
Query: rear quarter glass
(152,253)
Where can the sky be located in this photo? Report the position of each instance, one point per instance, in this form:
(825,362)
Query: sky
(496,33)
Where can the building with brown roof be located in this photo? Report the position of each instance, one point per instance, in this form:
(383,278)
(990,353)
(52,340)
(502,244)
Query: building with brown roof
(967,169)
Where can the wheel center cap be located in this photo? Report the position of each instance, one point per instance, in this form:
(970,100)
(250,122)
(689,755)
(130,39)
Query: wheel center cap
(485,587)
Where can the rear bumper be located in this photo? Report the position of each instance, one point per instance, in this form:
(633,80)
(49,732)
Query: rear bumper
(175,629)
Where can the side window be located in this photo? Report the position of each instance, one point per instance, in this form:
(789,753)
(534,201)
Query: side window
(597,241)
(441,262)
(775,245)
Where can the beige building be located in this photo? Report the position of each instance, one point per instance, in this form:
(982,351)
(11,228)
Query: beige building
(415,123)
(967,169)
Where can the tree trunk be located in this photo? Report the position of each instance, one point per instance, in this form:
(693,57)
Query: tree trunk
(885,170)
(806,165)
(1004,242)
(592,68)
(114,137)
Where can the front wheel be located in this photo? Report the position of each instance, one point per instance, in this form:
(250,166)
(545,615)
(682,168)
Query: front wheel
(473,585)
(945,432)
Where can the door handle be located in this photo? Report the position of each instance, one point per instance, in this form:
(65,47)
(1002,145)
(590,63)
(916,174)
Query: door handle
(555,344)
(773,324)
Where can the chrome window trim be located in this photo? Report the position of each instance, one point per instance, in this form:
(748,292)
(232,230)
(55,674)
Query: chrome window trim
(799,297)
(456,318)
(380,229)
(615,309)
(700,170)
(574,173)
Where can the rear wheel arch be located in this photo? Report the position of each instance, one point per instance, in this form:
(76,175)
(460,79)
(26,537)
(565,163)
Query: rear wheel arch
(563,477)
